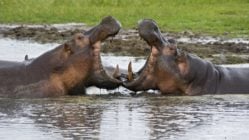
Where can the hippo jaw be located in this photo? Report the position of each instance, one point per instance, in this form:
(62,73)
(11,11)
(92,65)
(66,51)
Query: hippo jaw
(145,78)
(108,27)
(100,76)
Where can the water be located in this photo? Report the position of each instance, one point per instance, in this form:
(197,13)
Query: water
(15,50)
(109,117)
(153,117)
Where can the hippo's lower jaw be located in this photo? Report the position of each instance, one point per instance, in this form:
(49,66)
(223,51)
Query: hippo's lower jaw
(145,78)
(103,77)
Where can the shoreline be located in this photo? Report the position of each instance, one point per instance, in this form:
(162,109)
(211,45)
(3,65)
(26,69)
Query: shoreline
(218,49)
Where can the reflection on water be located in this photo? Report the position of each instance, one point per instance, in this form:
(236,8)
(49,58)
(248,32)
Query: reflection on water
(106,117)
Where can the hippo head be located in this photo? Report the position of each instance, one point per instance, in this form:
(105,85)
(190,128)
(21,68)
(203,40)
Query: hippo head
(77,62)
(165,67)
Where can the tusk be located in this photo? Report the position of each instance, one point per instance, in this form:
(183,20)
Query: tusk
(130,73)
(116,72)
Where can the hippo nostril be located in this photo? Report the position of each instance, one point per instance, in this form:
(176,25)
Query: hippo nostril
(150,32)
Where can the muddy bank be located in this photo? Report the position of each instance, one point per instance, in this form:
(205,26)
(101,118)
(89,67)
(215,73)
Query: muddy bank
(219,50)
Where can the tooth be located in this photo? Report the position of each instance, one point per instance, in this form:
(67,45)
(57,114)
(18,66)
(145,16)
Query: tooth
(116,72)
(130,73)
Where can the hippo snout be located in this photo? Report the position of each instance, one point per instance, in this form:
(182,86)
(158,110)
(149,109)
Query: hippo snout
(111,25)
(150,32)
(108,27)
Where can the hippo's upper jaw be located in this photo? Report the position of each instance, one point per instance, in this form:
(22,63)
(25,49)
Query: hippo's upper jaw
(108,27)
(149,31)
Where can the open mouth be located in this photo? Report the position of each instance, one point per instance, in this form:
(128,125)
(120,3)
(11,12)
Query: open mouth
(145,78)
(103,77)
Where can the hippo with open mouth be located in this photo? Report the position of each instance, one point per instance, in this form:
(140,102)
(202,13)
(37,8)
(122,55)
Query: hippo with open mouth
(67,69)
(173,71)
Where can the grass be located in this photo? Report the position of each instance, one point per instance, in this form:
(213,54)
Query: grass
(200,16)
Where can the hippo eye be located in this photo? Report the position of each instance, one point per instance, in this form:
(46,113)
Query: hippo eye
(170,48)
(80,37)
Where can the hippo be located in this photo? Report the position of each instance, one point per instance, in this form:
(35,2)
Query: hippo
(66,69)
(173,71)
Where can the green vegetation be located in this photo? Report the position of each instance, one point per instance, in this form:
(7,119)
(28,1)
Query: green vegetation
(200,16)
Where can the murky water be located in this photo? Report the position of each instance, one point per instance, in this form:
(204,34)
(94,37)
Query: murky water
(158,117)
(119,117)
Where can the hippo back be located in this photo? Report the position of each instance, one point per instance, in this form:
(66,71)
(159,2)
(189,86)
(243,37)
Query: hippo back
(8,64)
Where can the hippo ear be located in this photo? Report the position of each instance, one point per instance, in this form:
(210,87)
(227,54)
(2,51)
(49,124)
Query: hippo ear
(68,49)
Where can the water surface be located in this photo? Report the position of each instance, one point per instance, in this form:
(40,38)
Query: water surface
(116,117)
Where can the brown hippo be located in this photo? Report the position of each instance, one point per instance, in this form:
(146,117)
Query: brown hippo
(63,70)
(173,71)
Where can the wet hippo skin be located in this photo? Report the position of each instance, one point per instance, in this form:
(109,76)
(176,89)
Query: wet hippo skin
(61,71)
(173,71)
(5,64)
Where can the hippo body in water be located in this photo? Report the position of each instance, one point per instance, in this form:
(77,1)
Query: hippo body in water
(64,70)
(173,71)
(5,64)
